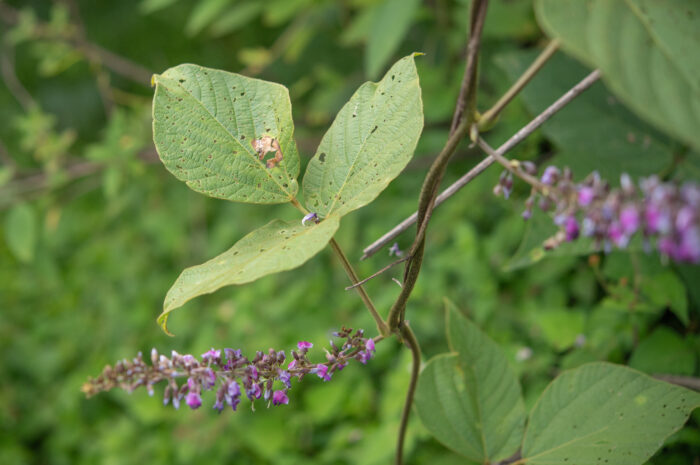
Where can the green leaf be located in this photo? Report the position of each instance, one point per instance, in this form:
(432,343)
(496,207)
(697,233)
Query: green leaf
(646,50)
(390,23)
(594,132)
(277,246)
(664,352)
(205,123)
(559,327)
(470,400)
(603,413)
(667,290)
(371,140)
(21,232)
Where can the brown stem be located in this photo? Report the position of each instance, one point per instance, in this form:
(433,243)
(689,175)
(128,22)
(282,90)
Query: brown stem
(410,340)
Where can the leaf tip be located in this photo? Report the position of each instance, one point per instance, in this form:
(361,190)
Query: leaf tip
(163,322)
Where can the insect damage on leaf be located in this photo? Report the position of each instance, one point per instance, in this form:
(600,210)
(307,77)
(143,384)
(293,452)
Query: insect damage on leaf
(265,145)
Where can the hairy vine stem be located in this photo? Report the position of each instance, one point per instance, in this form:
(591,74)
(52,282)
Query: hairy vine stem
(412,343)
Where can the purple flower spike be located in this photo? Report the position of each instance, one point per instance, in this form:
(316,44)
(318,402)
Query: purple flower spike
(302,345)
(629,219)
(279,397)
(585,196)
(322,372)
(309,217)
(571,228)
(193,400)
(211,355)
(550,175)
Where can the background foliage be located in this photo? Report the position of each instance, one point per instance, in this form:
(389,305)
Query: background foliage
(95,230)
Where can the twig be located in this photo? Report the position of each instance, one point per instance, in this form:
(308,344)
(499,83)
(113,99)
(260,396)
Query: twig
(528,178)
(488,117)
(374,275)
(518,137)
(689,382)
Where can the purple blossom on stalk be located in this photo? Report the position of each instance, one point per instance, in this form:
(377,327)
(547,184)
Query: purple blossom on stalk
(309,217)
(664,214)
(233,373)
(280,397)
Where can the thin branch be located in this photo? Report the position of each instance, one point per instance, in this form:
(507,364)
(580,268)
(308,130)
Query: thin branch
(518,137)
(528,178)
(412,343)
(488,117)
(374,275)
(381,326)
(689,382)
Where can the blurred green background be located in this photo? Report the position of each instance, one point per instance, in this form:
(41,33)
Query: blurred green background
(94,230)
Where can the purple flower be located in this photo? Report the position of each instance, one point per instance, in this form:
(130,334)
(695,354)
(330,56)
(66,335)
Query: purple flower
(657,220)
(232,354)
(292,364)
(233,394)
(689,248)
(309,217)
(369,344)
(629,219)
(585,195)
(550,175)
(303,345)
(284,376)
(394,250)
(254,392)
(280,397)
(211,355)
(571,228)
(193,399)
(617,235)
(321,371)
(253,372)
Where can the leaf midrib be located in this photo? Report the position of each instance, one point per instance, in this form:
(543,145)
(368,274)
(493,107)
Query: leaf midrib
(359,151)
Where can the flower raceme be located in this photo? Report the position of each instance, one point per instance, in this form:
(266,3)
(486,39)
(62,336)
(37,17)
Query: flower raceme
(665,215)
(230,373)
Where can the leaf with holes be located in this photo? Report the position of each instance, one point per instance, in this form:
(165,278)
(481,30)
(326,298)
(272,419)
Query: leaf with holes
(470,400)
(646,50)
(213,130)
(277,246)
(602,413)
(371,140)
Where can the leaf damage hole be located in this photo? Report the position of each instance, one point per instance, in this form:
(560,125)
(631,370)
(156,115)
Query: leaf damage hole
(268,145)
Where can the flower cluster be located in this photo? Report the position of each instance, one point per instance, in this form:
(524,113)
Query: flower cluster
(663,214)
(230,373)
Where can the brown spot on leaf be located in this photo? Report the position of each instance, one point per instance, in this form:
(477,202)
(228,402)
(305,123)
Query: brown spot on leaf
(265,145)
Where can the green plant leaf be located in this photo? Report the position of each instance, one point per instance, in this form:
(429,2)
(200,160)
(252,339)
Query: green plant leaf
(646,50)
(205,123)
(277,246)
(594,132)
(470,400)
(390,22)
(21,232)
(664,352)
(371,140)
(603,412)
(666,289)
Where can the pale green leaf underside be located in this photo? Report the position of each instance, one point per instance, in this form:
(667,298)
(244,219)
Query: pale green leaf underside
(470,400)
(204,123)
(277,246)
(603,413)
(371,140)
(646,50)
